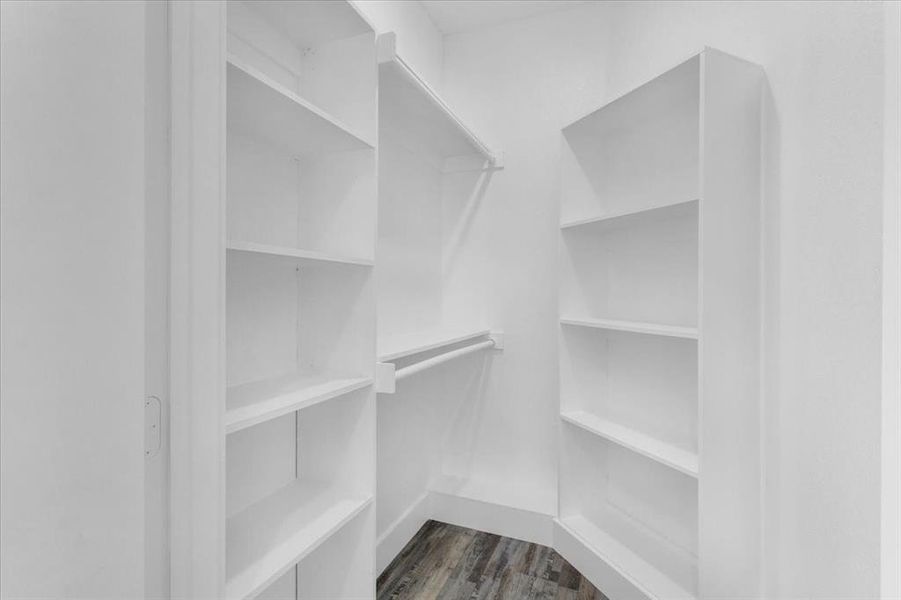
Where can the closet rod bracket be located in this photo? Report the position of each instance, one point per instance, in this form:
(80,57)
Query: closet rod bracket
(498,338)
(385,382)
(387,374)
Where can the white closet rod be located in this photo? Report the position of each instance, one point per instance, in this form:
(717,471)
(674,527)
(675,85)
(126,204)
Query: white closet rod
(441,358)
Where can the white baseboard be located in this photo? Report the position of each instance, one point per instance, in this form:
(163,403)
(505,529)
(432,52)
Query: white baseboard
(400,532)
(499,519)
(605,576)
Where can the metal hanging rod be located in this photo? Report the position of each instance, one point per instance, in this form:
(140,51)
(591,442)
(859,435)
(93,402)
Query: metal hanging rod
(386,376)
(441,358)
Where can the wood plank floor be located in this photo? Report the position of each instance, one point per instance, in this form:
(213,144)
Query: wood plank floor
(446,562)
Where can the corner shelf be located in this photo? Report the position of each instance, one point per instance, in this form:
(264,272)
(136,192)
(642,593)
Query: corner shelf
(261,108)
(666,454)
(401,346)
(689,333)
(297,253)
(638,573)
(625,217)
(420,110)
(253,403)
(273,535)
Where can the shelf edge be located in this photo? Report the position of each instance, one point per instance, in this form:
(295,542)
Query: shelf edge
(575,223)
(675,331)
(235,421)
(687,465)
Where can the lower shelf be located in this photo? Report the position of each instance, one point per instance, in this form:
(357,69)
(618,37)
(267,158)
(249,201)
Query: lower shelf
(666,454)
(273,535)
(259,401)
(602,557)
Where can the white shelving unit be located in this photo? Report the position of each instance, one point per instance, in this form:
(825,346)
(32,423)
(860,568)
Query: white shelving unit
(659,334)
(301,211)
(432,341)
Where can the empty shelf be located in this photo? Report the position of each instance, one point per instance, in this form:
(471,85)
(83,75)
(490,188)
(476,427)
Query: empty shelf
(297,253)
(660,212)
(397,347)
(271,536)
(261,108)
(408,105)
(623,560)
(666,454)
(690,333)
(313,22)
(253,403)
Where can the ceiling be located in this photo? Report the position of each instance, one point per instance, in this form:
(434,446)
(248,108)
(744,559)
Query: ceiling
(458,16)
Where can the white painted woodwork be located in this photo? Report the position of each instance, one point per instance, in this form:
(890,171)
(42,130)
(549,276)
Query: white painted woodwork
(401,346)
(413,112)
(639,152)
(660,332)
(640,268)
(299,408)
(270,537)
(258,401)
(259,107)
(624,572)
(730,320)
(294,253)
(197,359)
(666,454)
(433,173)
(690,333)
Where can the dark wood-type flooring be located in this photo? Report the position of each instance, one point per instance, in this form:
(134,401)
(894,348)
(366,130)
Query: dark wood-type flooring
(446,562)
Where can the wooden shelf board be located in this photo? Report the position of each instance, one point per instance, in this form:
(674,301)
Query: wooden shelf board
(623,560)
(296,253)
(271,536)
(690,333)
(400,346)
(259,401)
(410,105)
(264,109)
(661,211)
(666,454)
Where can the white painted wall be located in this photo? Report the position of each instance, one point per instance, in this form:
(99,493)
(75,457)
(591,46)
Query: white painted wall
(72,385)
(519,83)
(418,40)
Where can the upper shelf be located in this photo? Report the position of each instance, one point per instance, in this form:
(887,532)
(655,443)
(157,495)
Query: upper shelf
(260,107)
(401,346)
(644,214)
(408,105)
(296,253)
(677,331)
(311,23)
